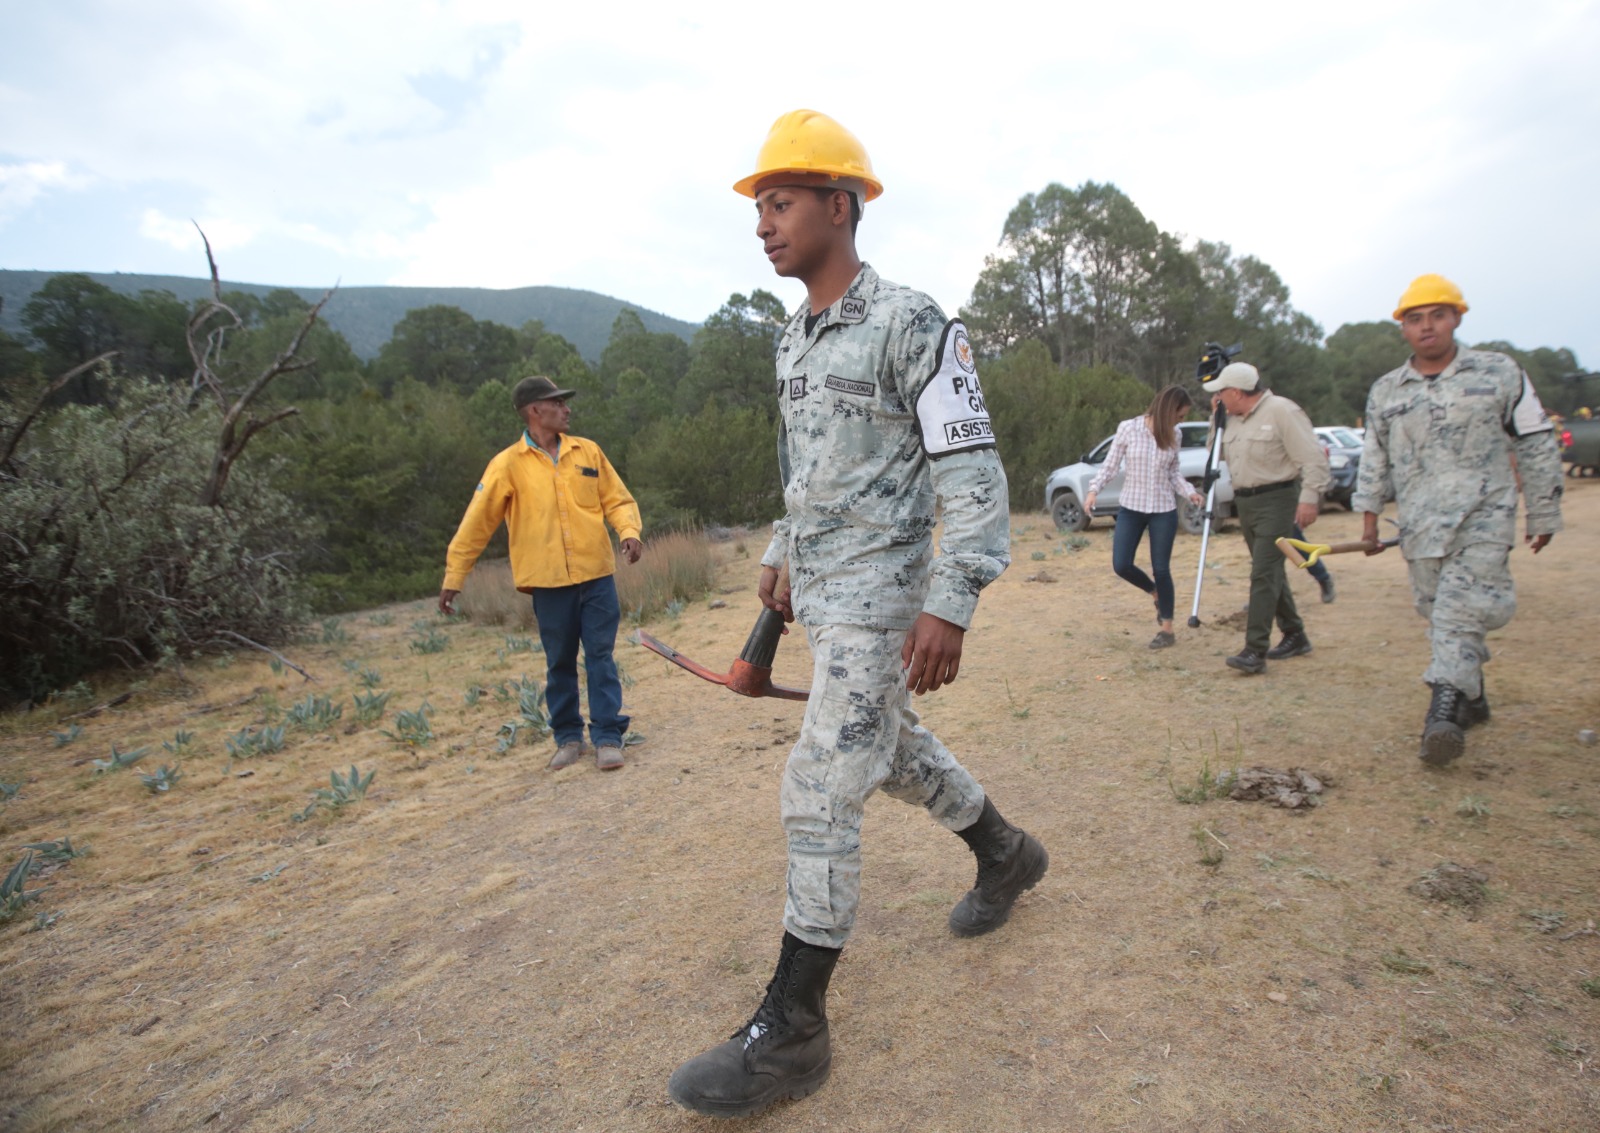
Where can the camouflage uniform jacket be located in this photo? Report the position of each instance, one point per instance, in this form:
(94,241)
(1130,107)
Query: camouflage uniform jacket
(880,418)
(1442,448)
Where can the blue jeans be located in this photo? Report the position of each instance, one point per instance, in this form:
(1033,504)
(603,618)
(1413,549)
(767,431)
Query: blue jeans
(1163,528)
(588,613)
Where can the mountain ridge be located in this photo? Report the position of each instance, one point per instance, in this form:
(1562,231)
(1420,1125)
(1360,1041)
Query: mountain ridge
(366,315)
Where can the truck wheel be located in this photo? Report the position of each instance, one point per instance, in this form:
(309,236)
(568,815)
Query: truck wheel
(1068,513)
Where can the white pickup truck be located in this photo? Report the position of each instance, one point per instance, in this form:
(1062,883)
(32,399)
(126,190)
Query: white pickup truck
(1065,489)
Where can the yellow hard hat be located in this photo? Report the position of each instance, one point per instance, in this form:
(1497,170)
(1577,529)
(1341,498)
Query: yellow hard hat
(815,146)
(1428,291)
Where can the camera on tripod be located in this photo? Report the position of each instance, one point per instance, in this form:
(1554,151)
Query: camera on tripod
(1214,357)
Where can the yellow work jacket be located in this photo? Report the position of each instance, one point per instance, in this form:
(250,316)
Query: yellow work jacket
(555,515)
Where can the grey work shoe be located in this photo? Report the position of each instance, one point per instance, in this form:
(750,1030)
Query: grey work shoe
(566,755)
(782,1052)
(608,757)
(1292,645)
(1163,640)
(1010,862)
(1443,739)
(1327,588)
(1248,661)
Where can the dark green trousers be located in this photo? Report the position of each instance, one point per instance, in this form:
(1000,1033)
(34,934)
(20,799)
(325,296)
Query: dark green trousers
(1264,519)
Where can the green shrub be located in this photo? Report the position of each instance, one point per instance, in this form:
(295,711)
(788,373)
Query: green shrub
(314,713)
(163,779)
(119,760)
(110,556)
(14,892)
(369,706)
(344,789)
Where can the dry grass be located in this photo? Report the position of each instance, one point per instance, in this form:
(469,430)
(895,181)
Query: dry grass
(483,945)
(675,569)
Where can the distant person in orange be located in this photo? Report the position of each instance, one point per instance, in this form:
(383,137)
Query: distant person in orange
(556,493)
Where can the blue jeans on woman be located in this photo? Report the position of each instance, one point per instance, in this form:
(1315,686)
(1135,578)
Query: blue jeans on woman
(1163,528)
(587,613)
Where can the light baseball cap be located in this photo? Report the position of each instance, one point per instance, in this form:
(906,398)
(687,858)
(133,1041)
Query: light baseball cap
(1235,375)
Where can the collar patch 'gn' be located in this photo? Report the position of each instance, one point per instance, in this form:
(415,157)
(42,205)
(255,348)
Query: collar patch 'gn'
(852,309)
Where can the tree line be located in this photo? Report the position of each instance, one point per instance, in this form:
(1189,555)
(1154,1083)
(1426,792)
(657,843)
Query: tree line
(349,497)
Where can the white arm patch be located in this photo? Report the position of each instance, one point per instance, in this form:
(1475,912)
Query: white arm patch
(1528,415)
(950,409)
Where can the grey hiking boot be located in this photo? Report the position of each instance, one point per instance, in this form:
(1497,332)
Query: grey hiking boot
(566,755)
(782,1052)
(1010,862)
(1292,645)
(1326,582)
(1443,739)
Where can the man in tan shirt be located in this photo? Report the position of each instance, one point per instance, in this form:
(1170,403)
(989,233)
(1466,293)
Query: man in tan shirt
(1279,472)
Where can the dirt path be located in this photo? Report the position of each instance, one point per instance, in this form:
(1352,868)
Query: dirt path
(482,945)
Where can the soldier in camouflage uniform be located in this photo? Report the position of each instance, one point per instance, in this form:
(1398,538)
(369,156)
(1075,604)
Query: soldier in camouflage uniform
(1448,434)
(882,420)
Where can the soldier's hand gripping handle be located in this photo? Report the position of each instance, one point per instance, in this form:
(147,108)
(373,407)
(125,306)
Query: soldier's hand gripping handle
(773,589)
(1369,534)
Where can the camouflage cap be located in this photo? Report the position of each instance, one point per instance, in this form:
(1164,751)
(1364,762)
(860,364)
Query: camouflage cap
(529,390)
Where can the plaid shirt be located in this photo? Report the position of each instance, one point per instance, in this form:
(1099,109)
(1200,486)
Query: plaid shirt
(1153,474)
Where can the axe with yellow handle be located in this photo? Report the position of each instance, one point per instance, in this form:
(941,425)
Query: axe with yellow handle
(1303,554)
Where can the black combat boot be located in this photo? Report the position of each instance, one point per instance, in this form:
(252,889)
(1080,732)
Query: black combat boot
(1295,644)
(1476,711)
(783,1052)
(1009,862)
(1442,737)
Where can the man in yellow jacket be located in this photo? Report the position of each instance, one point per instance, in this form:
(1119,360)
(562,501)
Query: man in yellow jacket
(556,493)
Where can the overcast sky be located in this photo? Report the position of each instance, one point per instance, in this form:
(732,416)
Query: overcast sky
(501,144)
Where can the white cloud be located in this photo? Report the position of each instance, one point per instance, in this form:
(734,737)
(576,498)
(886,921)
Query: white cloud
(23,183)
(224,235)
(481,142)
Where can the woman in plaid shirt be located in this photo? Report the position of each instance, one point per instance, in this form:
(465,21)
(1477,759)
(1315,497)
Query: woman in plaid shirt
(1148,446)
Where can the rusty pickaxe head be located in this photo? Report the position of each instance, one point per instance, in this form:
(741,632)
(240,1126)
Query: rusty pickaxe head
(751,674)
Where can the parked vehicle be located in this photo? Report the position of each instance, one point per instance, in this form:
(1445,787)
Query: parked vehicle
(1343,447)
(1580,446)
(1066,488)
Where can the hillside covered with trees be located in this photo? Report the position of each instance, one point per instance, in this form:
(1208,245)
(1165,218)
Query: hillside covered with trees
(353,465)
(365,316)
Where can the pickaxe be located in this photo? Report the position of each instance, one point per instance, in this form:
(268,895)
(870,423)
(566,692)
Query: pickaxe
(1303,554)
(751,674)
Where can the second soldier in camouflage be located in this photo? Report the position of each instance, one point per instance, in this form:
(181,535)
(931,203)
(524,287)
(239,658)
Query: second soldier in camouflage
(1448,435)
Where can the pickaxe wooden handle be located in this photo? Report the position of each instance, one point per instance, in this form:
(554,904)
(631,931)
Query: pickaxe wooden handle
(1303,554)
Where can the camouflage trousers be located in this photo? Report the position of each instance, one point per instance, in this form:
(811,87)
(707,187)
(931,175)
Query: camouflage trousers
(859,734)
(1463,595)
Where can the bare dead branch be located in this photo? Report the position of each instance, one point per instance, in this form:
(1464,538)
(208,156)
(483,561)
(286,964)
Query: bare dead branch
(231,443)
(211,261)
(239,637)
(206,708)
(53,388)
(99,708)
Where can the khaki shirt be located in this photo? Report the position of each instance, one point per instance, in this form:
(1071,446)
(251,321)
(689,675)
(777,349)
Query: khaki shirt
(1274,443)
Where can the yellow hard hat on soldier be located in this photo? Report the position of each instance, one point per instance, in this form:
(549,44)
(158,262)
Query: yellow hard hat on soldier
(814,145)
(1430,291)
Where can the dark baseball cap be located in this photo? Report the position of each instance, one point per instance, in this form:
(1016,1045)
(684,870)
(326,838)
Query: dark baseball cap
(529,390)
